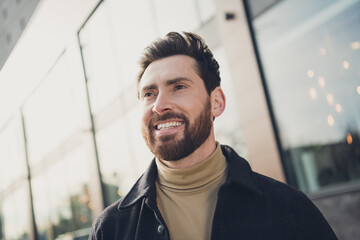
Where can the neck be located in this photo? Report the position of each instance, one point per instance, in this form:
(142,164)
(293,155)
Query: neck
(199,155)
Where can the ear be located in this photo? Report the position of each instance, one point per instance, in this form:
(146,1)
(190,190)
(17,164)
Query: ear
(218,102)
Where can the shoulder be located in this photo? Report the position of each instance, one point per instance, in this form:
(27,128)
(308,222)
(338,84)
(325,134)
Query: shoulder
(281,192)
(294,204)
(272,199)
(106,220)
(115,223)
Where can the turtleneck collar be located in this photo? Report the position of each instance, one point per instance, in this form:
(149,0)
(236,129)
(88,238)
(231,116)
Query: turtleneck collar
(196,177)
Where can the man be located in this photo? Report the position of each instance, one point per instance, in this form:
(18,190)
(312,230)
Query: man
(195,188)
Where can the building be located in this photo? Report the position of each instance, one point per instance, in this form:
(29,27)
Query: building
(69,137)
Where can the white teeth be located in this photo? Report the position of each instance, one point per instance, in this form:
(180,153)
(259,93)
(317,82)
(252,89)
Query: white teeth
(164,126)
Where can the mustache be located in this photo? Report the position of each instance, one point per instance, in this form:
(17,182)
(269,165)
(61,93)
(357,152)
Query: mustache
(167,116)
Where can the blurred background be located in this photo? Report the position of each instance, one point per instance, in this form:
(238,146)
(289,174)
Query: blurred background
(70,142)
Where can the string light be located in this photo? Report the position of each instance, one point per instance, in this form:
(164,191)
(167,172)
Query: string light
(349,138)
(338,108)
(310,73)
(355,45)
(323,51)
(330,99)
(330,120)
(312,92)
(321,81)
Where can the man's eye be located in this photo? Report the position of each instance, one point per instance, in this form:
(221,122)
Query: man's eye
(179,87)
(148,94)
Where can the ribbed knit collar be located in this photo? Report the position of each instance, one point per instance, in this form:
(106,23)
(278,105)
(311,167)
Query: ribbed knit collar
(195,178)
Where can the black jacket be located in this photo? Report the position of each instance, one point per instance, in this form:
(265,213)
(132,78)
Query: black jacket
(249,206)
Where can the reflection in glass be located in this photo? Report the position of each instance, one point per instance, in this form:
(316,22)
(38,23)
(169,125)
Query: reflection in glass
(319,134)
(310,73)
(321,81)
(12,155)
(312,92)
(54,112)
(111,47)
(117,160)
(62,202)
(14,215)
(323,51)
(338,108)
(355,45)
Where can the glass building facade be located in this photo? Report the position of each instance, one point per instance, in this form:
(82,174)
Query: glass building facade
(74,145)
(309,53)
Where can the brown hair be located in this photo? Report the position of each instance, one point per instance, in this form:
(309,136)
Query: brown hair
(188,44)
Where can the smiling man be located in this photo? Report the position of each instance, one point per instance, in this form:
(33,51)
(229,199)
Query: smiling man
(196,188)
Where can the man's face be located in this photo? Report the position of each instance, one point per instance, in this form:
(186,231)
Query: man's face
(177,115)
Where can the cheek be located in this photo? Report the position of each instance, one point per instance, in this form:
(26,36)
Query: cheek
(146,113)
(192,106)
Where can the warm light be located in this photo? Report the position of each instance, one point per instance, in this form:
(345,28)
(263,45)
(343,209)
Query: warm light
(321,82)
(349,138)
(358,89)
(84,199)
(330,99)
(355,45)
(338,108)
(346,64)
(91,205)
(312,92)
(323,51)
(84,219)
(330,120)
(119,192)
(310,73)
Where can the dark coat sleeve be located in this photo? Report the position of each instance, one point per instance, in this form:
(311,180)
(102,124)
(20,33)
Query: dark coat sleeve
(311,223)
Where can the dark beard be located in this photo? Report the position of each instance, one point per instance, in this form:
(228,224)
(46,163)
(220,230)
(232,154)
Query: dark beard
(169,149)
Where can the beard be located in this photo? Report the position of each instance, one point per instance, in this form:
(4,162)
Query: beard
(171,149)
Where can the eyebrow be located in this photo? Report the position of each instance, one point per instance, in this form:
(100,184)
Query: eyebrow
(168,83)
(176,80)
(148,87)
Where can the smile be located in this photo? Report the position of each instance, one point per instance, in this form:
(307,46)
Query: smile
(168,125)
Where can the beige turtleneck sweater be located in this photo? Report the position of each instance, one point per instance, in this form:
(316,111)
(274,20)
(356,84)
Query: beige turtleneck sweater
(187,197)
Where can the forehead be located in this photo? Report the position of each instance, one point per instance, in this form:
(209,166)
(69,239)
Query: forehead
(177,66)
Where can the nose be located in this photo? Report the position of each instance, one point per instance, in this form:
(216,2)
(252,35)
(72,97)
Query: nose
(163,104)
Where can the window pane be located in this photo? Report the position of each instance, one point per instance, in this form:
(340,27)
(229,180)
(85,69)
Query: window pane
(310,53)
(15,217)
(61,196)
(54,112)
(116,160)
(112,46)
(12,155)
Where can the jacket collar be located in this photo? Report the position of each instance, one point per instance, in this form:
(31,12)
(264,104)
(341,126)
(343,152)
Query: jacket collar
(239,171)
(145,186)
(239,174)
